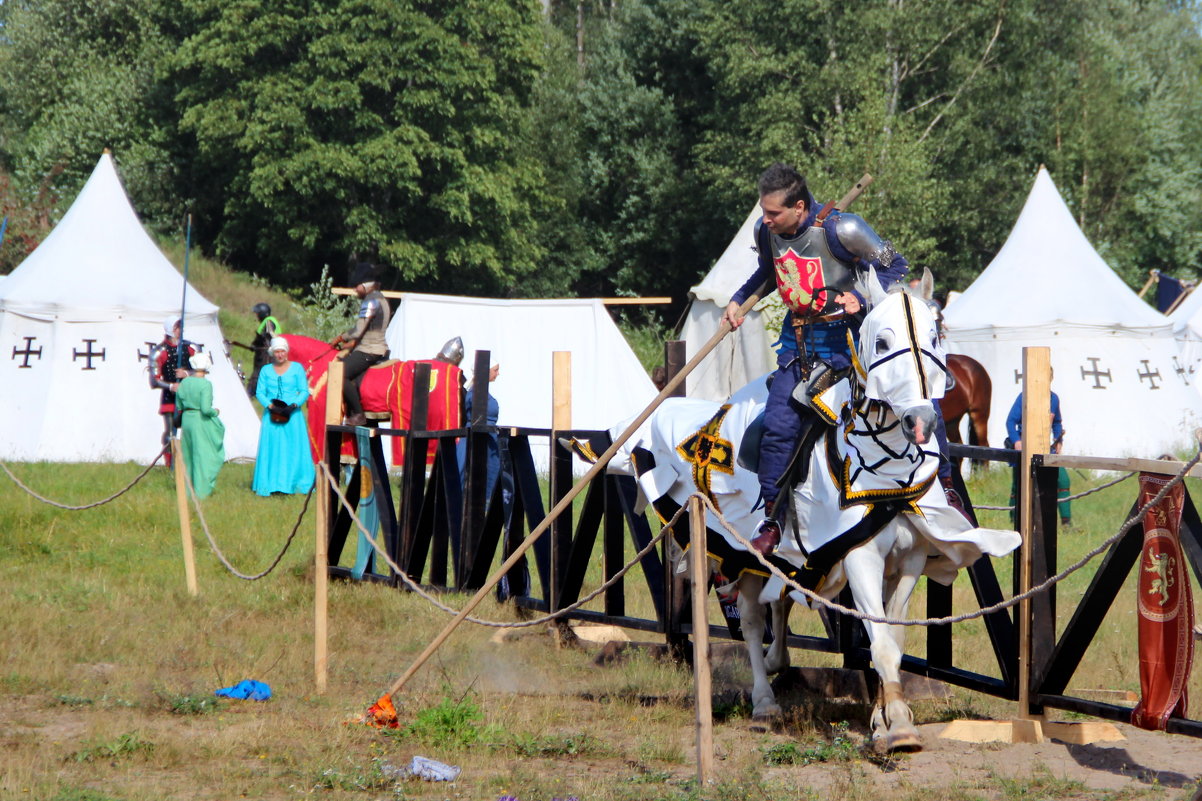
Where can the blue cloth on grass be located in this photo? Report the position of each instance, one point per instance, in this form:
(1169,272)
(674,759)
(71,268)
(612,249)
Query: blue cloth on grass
(247,689)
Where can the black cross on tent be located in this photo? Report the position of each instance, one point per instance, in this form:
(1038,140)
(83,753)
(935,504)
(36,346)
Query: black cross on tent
(88,354)
(1180,370)
(25,354)
(1094,373)
(1149,374)
(145,357)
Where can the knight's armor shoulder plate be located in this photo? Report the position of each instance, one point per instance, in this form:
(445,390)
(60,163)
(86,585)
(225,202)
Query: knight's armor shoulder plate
(859,238)
(369,307)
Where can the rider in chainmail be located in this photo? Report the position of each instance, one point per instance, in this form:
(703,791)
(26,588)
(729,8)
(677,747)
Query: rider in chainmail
(365,340)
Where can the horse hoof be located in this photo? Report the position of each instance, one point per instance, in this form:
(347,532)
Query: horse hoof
(901,741)
(767,718)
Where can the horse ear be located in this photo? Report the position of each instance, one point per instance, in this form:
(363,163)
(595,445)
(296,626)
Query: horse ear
(926,286)
(869,286)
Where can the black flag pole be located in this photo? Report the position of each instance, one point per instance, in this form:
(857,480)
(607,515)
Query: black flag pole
(183,302)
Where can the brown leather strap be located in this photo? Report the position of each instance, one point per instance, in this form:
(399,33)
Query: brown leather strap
(824,213)
(799,321)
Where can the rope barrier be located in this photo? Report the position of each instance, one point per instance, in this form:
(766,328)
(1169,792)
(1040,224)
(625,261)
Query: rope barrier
(496,624)
(217,551)
(1065,499)
(939,621)
(70,508)
(809,594)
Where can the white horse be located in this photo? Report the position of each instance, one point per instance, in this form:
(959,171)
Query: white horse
(871,513)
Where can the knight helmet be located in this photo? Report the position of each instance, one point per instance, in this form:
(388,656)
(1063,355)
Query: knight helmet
(452,351)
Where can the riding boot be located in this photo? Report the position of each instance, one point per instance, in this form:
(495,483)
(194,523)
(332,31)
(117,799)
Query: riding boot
(767,532)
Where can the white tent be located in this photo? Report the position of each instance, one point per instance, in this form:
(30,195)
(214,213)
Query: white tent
(1122,389)
(608,382)
(1186,320)
(77,318)
(745,354)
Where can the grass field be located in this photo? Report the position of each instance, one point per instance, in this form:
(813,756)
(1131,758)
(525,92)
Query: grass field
(106,690)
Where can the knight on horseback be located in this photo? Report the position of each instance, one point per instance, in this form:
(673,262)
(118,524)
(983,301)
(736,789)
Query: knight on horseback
(815,253)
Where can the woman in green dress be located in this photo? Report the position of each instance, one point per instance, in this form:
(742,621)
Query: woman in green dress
(202,432)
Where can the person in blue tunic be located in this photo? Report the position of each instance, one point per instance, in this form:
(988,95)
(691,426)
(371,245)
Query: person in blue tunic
(1014,439)
(285,462)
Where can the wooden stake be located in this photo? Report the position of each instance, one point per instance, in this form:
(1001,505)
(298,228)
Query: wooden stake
(321,557)
(561,390)
(185,517)
(1036,438)
(702,681)
(321,582)
(334,392)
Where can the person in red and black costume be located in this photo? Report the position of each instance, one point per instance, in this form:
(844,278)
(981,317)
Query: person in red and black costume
(165,371)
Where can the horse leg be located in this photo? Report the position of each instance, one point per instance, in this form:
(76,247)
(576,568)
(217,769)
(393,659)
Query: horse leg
(777,658)
(751,615)
(892,721)
(980,427)
(902,735)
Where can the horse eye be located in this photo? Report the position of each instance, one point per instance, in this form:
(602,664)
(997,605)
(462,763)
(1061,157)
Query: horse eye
(882,344)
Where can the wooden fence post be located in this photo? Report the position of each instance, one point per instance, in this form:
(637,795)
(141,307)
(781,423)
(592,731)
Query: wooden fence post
(185,517)
(1036,438)
(321,558)
(674,361)
(702,681)
(561,471)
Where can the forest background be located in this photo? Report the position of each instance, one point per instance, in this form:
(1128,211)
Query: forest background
(540,149)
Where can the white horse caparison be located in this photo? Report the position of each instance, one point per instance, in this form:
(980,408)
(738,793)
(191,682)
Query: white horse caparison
(871,514)
(879,452)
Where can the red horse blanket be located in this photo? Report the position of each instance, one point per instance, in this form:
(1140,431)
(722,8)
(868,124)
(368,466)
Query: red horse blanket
(386,387)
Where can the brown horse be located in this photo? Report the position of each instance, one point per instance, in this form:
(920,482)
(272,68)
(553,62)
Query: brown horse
(970,395)
(971,391)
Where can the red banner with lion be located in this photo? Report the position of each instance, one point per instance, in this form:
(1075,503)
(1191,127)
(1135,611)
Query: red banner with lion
(1166,609)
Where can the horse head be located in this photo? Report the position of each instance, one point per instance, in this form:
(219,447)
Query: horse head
(901,358)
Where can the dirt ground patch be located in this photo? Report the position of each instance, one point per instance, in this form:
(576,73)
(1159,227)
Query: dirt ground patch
(1145,764)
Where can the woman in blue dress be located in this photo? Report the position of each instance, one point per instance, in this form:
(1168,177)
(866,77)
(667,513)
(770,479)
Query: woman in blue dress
(285,462)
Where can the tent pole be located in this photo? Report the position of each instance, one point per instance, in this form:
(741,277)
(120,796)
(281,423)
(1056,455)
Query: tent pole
(1153,277)
(179,354)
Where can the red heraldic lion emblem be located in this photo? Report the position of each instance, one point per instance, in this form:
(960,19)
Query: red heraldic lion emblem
(1166,612)
(798,278)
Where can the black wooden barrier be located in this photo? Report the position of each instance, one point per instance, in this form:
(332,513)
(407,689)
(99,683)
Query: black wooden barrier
(447,531)
(1054,661)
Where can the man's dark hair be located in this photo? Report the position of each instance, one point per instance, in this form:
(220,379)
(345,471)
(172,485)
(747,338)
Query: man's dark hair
(783,178)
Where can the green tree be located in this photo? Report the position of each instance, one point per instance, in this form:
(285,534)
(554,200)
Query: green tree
(317,129)
(75,76)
